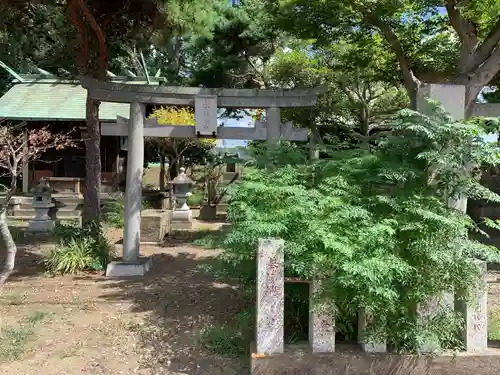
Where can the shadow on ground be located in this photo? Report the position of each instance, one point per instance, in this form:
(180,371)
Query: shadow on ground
(180,300)
(28,257)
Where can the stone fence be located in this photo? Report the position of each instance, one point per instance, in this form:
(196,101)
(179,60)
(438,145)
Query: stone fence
(270,311)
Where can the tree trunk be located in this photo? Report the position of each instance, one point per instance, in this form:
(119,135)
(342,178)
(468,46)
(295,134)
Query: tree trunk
(92,206)
(173,169)
(162,173)
(10,247)
(211,192)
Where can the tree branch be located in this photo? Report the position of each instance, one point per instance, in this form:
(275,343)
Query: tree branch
(485,73)
(103,56)
(410,81)
(488,46)
(464,28)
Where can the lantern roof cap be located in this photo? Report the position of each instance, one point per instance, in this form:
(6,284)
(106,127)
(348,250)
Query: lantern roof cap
(182,178)
(43,187)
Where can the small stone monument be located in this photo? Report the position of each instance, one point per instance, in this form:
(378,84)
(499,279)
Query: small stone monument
(181,215)
(42,203)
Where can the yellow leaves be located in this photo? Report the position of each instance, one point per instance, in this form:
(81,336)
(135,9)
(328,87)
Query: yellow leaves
(174,116)
(180,116)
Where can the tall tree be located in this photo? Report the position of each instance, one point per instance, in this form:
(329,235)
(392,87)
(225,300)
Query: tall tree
(240,49)
(358,98)
(102,27)
(438,40)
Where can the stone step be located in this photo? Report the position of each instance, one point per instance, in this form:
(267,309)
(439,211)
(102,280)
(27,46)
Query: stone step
(13,220)
(59,208)
(67,213)
(59,213)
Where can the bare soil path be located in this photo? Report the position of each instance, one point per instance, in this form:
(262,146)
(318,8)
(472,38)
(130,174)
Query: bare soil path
(93,325)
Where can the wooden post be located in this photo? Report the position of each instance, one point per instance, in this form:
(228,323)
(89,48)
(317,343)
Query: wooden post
(26,170)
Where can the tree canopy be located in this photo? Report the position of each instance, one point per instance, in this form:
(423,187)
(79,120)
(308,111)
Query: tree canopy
(432,40)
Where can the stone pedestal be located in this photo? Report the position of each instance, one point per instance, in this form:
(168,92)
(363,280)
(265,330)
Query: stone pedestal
(475,313)
(42,203)
(154,226)
(129,269)
(367,344)
(321,321)
(427,311)
(208,212)
(270,297)
(182,216)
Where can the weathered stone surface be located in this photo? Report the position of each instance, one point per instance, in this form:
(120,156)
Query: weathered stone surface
(321,321)
(133,186)
(428,311)
(125,269)
(475,313)
(154,226)
(270,296)
(181,220)
(366,345)
(297,360)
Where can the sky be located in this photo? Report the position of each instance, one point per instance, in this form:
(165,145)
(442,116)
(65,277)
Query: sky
(244,122)
(247,121)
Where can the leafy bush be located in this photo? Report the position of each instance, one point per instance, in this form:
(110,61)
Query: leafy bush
(195,199)
(80,249)
(113,212)
(374,226)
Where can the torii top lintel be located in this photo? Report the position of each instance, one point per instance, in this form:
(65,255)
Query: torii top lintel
(185,96)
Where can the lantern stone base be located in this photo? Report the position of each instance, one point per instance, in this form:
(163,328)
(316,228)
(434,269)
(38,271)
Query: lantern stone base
(40,226)
(128,269)
(181,220)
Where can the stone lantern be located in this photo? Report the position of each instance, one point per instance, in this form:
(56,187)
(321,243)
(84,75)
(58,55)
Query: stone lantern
(42,203)
(181,215)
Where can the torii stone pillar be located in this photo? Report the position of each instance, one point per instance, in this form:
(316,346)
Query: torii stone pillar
(133,188)
(131,264)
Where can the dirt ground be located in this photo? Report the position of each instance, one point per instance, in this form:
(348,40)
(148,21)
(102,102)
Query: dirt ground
(147,326)
(89,324)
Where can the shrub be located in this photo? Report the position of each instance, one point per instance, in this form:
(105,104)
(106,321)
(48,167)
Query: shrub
(113,212)
(80,249)
(373,225)
(195,199)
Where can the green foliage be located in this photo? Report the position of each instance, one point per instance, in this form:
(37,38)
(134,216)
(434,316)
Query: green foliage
(113,212)
(13,339)
(374,226)
(422,40)
(195,199)
(494,325)
(231,341)
(80,249)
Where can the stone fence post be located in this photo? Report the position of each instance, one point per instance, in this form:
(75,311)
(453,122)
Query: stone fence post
(271,303)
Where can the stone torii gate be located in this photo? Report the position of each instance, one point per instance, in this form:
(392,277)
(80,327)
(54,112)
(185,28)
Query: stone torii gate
(206,102)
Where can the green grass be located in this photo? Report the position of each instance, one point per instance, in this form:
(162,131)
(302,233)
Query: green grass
(12,298)
(494,326)
(224,341)
(230,340)
(14,339)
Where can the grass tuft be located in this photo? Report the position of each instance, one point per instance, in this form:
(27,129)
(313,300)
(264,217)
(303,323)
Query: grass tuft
(14,339)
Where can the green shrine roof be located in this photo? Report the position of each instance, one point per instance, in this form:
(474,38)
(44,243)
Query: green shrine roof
(50,98)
